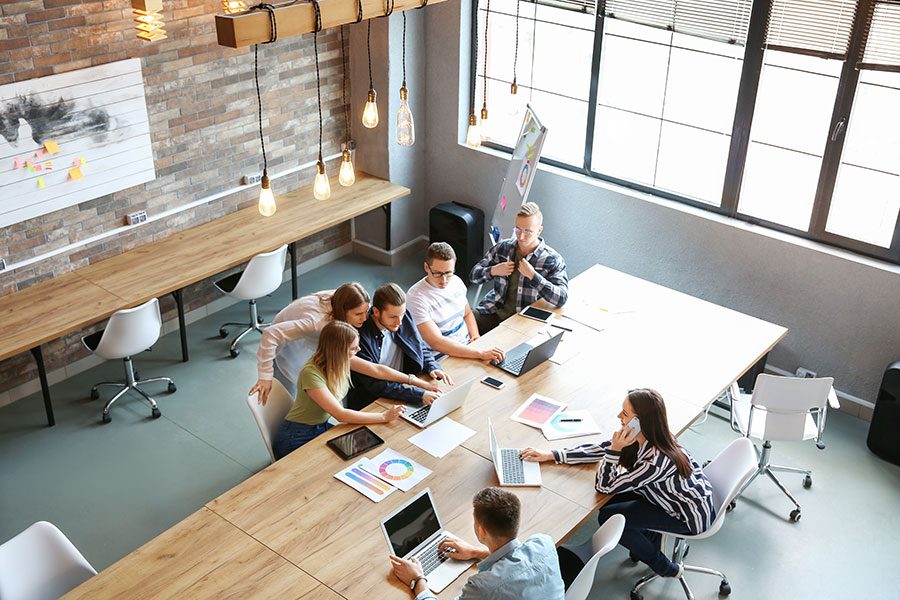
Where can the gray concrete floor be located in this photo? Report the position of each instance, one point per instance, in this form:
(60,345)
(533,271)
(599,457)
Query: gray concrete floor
(113,487)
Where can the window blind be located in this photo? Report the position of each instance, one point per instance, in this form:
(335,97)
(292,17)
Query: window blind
(883,37)
(720,20)
(582,6)
(816,27)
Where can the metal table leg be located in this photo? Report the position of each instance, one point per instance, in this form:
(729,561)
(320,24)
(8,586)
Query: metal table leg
(45,387)
(292,247)
(182,328)
(387,226)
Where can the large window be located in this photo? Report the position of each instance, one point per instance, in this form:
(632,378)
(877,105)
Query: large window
(780,112)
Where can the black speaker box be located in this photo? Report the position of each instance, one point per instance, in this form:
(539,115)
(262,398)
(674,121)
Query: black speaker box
(884,430)
(462,227)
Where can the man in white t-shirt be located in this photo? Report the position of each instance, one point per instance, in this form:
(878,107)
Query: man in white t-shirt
(440,309)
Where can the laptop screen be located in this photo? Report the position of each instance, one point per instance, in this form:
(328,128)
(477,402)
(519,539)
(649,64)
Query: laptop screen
(412,525)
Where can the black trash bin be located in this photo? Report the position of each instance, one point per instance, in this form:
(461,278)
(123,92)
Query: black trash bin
(884,430)
(462,227)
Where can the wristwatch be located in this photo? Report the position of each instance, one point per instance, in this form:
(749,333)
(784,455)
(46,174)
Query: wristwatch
(409,379)
(412,584)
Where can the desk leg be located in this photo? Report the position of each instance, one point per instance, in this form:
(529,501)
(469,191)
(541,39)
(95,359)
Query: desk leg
(292,248)
(182,328)
(387,226)
(45,387)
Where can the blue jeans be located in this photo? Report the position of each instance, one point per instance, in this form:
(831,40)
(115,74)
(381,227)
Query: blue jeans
(291,436)
(640,515)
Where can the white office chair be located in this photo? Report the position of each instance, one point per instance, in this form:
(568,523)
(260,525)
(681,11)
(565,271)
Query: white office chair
(269,417)
(262,276)
(728,473)
(41,564)
(127,333)
(782,409)
(603,540)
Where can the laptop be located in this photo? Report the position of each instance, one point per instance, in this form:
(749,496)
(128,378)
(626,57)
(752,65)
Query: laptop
(415,530)
(525,357)
(512,470)
(443,406)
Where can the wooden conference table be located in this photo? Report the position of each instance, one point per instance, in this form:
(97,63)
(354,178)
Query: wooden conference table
(299,526)
(70,302)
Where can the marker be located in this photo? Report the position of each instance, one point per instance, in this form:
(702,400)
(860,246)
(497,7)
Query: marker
(570,420)
(560,327)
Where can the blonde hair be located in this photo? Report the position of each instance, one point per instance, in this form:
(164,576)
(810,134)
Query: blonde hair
(530,209)
(332,355)
(346,298)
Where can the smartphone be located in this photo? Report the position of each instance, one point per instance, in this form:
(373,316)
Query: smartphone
(635,425)
(537,314)
(494,383)
(354,443)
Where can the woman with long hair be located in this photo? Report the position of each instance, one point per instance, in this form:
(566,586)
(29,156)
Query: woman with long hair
(288,343)
(655,483)
(324,382)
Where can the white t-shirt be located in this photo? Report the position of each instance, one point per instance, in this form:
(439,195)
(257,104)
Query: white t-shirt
(446,307)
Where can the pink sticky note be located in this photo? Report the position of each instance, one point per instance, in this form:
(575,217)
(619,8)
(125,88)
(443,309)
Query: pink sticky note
(38,167)
(76,162)
(503,203)
(39,154)
(19,164)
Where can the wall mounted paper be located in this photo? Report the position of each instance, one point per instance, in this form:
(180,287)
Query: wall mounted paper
(397,469)
(442,437)
(363,482)
(537,410)
(568,424)
(51,146)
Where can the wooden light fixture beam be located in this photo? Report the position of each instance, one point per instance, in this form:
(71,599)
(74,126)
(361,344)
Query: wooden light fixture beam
(249,28)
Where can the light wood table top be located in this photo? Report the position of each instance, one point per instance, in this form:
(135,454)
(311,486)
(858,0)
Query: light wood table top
(204,556)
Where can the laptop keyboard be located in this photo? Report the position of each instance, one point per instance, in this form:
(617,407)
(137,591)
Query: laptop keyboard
(431,558)
(513,468)
(515,363)
(419,415)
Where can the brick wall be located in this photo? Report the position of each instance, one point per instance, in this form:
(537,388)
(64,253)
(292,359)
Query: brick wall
(202,106)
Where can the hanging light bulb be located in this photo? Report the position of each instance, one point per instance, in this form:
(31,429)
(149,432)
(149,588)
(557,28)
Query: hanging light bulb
(406,130)
(233,6)
(346,176)
(266,197)
(370,112)
(321,186)
(473,135)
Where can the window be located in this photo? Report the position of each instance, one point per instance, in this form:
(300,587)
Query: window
(779,112)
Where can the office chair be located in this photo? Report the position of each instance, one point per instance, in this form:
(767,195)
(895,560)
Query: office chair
(269,417)
(782,409)
(603,540)
(262,276)
(41,563)
(727,472)
(128,332)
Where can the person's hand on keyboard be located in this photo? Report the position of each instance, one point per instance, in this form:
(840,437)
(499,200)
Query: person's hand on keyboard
(535,455)
(428,398)
(393,413)
(406,570)
(492,355)
(461,550)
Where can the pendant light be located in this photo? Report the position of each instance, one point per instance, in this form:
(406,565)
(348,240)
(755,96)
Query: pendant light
(370,112)
(406,131)
(473,133)
(346,176)
(321,186)
(147,15)
(513,89)
(233,6)
(266,197)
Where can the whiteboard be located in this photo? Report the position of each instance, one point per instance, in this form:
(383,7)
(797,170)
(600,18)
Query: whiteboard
(519,177)
(72,137)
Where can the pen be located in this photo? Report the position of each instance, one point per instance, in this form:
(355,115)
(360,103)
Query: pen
(570,420)
(560,327)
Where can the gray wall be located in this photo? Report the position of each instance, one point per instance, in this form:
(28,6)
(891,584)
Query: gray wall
(844,317)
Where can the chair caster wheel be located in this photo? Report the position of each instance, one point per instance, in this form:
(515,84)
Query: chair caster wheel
(633,558)
(795,515)
(95,394)
(636,595)
(172,388)
(724,588)
(807,481)
(731,506)
(260,320)
(106,418)
(234,353)
(155,413)
(222,333)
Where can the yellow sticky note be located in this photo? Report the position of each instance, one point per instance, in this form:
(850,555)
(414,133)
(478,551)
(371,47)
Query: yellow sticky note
(81,158)
(41,184)
(75,174)
(51,146)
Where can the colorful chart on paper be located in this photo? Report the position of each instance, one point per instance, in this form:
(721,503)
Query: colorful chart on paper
(537,410)
(568,424)
(396,469)
(364,482)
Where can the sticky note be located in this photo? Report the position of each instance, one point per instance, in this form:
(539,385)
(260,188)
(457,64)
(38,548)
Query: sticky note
(503,203)
(29,165)
(76,162)
(48,166)
(81,158)
(75,174)
(41,184)
(51,146)
(39,154)
(19,164)
(38,167)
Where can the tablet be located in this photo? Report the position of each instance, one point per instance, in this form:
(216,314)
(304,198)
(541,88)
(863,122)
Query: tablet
(354,442)
(537,314)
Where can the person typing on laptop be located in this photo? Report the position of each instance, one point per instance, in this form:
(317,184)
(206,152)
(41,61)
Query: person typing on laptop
(509,569)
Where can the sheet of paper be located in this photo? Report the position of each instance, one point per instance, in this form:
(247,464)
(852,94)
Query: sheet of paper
(365,483)
(51,146)
(572,423)
(76,174)
(566,350)
(442,437)
(396,469)
(537,410)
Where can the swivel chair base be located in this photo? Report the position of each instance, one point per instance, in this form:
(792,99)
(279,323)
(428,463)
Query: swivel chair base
(769,469)
(678,555)
(131,383)
(256,324)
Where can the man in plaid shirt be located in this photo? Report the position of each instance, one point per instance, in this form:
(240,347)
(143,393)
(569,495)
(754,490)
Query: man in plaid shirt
(523,268)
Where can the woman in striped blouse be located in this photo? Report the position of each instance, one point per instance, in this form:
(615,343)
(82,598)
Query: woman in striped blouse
(655,482)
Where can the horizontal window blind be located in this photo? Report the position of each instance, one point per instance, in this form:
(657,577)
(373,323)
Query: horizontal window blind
(816,27)
(582,6)
(883,37)
(720,20)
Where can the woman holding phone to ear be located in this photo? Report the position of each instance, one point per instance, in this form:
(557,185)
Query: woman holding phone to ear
(655,483)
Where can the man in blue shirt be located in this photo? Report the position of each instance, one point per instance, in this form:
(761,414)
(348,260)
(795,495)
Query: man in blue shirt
(508,569)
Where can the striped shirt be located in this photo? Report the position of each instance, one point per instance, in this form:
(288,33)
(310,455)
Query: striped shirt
(655,477)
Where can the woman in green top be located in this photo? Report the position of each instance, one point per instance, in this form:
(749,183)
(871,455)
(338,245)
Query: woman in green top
(324,381)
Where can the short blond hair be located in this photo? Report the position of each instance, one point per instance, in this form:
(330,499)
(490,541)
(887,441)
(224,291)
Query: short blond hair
(530,209)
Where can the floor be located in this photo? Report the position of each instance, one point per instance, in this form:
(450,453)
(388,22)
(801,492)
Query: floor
(112,487)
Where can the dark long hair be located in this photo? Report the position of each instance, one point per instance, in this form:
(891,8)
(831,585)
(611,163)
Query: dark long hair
(650,409)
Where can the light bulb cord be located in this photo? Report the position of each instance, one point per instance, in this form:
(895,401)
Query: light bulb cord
(475,82)
(273,37)
(516,51)
(344,90)
(404,49)
(318,28)
(369,51)
(487,14)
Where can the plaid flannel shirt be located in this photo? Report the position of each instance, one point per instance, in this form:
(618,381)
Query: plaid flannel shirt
(550,281)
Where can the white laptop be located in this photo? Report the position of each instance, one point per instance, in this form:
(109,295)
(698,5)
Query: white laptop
(443,406)
(415,530)
(512,470)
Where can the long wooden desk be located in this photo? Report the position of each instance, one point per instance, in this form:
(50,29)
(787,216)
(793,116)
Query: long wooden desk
(330,532)
(51,309)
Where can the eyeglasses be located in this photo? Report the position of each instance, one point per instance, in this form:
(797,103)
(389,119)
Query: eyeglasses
(527,232)
(441,274)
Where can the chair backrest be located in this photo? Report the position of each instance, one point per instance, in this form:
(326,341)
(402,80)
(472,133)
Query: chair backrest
(727,473)
(41,563)
(787,401)
(262,276)
(131,331)
(269,417)
(604,540)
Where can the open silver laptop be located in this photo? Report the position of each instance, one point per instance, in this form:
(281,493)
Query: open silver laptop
(415,530)
(512,470)
(443,406)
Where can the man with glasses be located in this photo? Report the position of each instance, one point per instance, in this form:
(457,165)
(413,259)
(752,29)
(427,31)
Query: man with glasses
(440,309)
(524,269)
